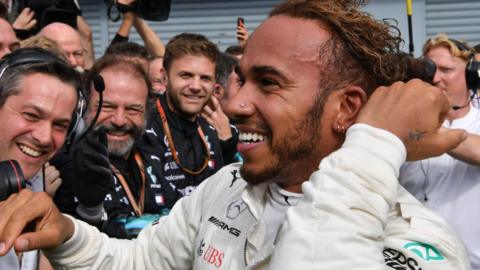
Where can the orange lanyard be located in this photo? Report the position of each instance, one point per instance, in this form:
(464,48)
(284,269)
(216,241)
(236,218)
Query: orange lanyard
(137,207)
(166,129)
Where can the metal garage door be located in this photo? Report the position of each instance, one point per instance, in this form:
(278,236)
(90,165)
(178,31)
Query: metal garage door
(215,19)
(459,19)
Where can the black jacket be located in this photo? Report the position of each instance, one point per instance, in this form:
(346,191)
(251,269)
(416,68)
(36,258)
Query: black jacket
(190,148)
(116,203)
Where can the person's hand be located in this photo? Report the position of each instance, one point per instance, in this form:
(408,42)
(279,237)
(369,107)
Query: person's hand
(52,179)
(414,112)
(25,20)
(47,227)
(92,172)
(242,34)
(213,113)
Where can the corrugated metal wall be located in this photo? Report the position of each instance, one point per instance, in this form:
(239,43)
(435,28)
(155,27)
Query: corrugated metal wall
(459,19)
(215,19)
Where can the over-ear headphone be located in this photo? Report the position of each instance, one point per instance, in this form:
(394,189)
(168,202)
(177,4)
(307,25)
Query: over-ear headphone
(472,71)
(40,56)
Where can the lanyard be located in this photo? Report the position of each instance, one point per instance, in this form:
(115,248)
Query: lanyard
(137,207)
(167,132)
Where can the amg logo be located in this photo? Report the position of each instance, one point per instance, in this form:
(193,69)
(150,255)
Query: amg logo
(222,225)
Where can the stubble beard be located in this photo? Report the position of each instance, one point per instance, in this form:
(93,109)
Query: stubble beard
(291,151)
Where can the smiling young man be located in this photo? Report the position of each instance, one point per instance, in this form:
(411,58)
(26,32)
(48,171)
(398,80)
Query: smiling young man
(306,74)
(37,100)
(182,146)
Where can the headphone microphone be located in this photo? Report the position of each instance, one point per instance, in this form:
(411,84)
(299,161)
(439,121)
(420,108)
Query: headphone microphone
(456,107)
(99,86)
(472,73)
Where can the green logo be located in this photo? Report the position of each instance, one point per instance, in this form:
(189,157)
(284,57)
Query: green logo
(424,251)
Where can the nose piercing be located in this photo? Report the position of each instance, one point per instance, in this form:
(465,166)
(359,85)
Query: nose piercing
(242,105)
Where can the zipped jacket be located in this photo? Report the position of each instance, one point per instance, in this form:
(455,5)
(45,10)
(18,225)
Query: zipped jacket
(353,215)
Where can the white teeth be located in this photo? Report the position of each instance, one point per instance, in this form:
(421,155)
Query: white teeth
(29,151)
(251,137)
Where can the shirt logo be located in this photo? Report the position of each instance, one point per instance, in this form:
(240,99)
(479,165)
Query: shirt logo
(200,248)
(395,259)
(151,131)
(212,255)
(235,209)
(235,177)
(424,251)
(224,226)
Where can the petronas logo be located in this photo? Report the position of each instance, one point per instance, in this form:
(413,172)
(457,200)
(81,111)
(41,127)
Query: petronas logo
(424,251)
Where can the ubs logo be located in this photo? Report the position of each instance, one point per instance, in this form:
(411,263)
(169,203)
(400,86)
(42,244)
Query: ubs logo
(212,255)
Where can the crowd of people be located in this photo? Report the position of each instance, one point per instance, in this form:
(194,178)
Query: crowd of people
(307,146)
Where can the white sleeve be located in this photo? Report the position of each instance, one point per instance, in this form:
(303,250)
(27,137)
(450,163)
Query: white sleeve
(340,222)
(167,244)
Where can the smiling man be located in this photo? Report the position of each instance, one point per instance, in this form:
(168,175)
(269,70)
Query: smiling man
(105,172)
(306,74)
(37,99)
(182,146)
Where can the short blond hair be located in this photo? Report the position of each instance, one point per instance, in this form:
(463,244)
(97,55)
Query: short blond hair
(442,40)
(44,43)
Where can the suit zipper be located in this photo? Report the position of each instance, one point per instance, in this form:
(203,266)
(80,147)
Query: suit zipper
(245,253)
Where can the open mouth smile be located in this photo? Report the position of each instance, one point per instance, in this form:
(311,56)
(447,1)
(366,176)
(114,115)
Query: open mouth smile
(251,137)
(29,151)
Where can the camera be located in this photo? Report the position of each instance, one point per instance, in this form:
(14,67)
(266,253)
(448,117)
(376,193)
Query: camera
(150,10)
(11,178)
(49,11)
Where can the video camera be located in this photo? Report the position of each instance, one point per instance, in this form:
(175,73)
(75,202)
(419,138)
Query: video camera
(150,10)
(48,11)
(424,69)
(11,178)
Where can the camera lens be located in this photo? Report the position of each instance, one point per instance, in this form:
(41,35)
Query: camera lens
(11,178)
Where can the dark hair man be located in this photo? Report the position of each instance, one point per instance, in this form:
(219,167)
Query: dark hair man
(107,170)
(37,101)
(182,146)
(448,184)
(307,72)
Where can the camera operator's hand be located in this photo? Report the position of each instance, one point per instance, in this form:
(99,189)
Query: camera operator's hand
(414,112)
(92,172)
(25,20)
(50,228)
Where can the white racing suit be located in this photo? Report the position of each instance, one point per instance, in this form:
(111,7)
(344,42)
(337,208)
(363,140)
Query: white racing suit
(354,215)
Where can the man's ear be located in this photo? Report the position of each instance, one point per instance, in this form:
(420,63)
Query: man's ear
(165,80)
(352,99)
(218,91)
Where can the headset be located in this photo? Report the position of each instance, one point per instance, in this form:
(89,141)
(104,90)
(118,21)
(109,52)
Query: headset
(40,56)
(472,72)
